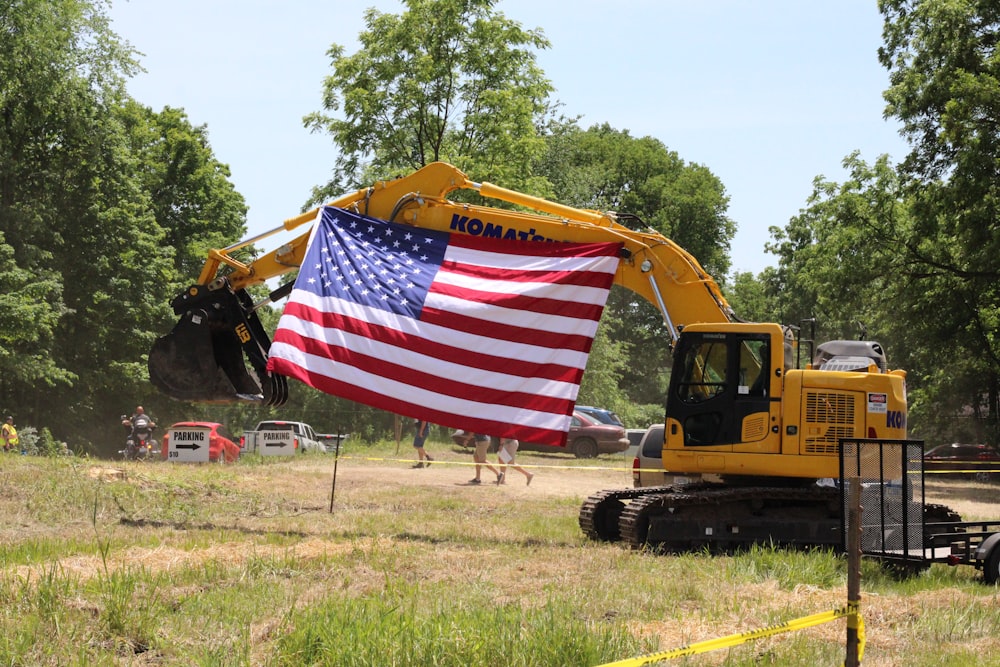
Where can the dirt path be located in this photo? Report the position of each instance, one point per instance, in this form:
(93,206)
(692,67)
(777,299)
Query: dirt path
(566,477)
(553,476)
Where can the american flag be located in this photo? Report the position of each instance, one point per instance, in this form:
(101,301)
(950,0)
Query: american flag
(486,335)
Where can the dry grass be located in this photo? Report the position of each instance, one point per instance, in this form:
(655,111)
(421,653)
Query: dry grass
(244,557)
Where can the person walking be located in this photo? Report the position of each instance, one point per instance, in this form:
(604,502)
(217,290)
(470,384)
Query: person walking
(482,442)
(419,437)
(8,434)
(505,457)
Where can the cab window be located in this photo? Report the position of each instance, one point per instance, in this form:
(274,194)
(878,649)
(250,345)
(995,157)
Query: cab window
(704,372)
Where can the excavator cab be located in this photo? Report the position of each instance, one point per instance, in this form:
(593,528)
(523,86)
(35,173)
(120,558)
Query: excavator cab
(202,358)
(720,386)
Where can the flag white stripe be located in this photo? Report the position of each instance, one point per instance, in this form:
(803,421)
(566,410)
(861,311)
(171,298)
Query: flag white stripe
(523,318)
(542,290)
(416,361)
(506,262)
(440,334)
(458,406)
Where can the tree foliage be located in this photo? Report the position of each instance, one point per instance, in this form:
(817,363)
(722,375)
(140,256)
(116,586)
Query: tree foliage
(603,168)
(105,208)
(450,80)
(945,87)
(909,254)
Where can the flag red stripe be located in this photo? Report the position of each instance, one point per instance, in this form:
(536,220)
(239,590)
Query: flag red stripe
(523,302)
(431,348)
(557,278)
(506,332)
(367,397)
(441,385)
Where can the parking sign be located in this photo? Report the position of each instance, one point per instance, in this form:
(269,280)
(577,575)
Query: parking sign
(188,445)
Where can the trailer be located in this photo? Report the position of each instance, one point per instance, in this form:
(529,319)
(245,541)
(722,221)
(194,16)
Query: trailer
(895,529)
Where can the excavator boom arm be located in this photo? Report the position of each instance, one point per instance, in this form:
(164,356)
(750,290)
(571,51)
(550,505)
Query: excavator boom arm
(218,319)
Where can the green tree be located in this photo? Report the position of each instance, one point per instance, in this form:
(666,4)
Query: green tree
(30,308)
(607,169)
(61,71)
(450,80)
(191,196)
(945,88)
(756,298)
(650,186)
(105,205)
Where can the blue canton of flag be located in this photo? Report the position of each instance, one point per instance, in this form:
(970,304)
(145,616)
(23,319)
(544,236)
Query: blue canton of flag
(375,263)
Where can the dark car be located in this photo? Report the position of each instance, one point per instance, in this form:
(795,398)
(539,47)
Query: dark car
(979,462)
(586,439)
(600,414)
(221,446)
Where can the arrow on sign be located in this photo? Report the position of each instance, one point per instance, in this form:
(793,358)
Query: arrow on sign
(191,446)
(275,444)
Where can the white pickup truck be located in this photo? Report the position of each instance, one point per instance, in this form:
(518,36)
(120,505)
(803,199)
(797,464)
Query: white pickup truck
(281,437)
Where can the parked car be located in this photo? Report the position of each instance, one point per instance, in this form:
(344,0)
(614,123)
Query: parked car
(220,441)
(600,414)
(959,459)
(634,436)
(647,466)
(333,442)
(586,439)
(303,437)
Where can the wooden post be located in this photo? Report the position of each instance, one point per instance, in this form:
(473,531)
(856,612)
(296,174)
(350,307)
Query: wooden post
(853,569)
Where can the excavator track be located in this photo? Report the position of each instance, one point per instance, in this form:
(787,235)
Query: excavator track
(722,518)
(938,536)
(600,512)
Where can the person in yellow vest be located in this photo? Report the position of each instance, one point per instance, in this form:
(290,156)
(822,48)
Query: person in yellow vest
(8,434)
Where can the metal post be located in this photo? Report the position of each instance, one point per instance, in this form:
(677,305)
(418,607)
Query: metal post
(397,425)
(853,569)
(336,459)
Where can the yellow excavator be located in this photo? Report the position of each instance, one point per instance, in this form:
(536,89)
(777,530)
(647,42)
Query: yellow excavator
(747,434)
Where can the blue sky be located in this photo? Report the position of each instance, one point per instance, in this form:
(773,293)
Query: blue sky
(767,95)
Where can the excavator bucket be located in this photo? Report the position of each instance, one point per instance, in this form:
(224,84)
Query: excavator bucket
(202,358)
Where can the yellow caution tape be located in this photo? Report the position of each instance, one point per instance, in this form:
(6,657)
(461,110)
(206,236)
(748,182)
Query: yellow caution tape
(493,462)
(850,611)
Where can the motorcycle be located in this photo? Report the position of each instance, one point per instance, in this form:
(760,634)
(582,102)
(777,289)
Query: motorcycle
(139,444)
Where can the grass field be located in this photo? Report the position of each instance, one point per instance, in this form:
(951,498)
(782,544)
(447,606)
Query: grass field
(169,564)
